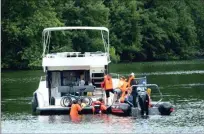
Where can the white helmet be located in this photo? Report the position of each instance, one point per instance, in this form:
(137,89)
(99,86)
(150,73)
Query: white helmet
(132,74)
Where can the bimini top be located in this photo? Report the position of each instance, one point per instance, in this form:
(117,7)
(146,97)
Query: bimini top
(74,28)
(46,35)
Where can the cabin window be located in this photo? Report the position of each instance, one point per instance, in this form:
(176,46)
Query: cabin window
(70,78)
(56,81)
(73,77)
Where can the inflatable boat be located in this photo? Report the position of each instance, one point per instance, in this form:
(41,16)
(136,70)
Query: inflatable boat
(142,107)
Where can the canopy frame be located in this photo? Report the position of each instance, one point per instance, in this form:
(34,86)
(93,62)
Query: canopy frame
(46,35)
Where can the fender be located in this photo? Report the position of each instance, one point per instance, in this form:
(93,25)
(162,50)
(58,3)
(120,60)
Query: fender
(34,103)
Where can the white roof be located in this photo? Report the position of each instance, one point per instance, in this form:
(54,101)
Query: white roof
(75,28)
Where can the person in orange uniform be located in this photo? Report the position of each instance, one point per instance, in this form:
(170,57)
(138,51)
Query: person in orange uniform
(108,86)
(75,108)
(131,80)
(118,90)
(124,87)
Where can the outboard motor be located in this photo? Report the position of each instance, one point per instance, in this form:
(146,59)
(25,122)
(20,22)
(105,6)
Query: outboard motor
(165,108)
(143,100)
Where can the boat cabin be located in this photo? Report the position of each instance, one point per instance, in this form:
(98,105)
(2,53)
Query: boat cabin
(69,72)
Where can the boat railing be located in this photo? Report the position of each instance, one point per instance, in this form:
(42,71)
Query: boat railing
(151,85)
(75,54)
(140,80)
(115,75)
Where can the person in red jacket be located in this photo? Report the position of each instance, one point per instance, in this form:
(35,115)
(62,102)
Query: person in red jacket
(102,107)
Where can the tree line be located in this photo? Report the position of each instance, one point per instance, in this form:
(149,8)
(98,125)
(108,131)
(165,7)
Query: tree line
(140,30)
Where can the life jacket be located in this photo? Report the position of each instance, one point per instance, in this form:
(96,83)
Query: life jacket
(108,83)
(130,79)
(75,108)
(124,86)
(97,103)
(120,83)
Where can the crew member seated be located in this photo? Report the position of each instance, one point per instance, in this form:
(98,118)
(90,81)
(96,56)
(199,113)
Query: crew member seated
(102,108)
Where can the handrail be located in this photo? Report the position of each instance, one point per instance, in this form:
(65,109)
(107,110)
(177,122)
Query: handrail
(74,28)
(69,55)
(148,85)
(140,78)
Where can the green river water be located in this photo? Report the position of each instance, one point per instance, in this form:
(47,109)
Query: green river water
(181,82)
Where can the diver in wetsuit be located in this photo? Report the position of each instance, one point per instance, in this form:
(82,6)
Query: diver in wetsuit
(143,99)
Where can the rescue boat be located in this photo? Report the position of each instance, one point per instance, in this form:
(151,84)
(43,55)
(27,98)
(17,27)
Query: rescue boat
(144,106)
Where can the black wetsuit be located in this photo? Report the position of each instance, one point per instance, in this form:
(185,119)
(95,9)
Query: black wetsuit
(134,92)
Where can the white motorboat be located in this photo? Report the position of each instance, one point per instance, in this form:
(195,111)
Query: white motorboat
(63,71)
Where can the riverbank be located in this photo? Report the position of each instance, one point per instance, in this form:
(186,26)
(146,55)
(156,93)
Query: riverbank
(130,65)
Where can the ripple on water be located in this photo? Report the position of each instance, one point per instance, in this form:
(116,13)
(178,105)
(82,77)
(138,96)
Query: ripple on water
(20,80)
(170,73)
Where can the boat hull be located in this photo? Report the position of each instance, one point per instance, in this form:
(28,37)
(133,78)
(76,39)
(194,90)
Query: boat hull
(162,108)
(61,111)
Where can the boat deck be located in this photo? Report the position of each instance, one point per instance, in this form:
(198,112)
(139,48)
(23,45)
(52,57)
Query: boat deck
(49,110)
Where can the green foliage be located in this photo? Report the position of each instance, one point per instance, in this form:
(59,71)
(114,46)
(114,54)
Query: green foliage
(113,56)
(139,30)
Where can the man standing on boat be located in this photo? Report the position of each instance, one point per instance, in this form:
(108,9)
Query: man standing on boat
(132,81)
(107,84)
(81,82)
